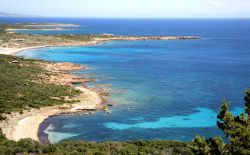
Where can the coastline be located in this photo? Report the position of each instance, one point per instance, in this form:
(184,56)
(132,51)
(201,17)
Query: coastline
(16,124)
(14,49)
(42,29)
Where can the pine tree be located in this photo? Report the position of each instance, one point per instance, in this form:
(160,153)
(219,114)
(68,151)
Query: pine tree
(236,128)
(247,103)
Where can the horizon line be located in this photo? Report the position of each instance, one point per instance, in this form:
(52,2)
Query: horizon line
(126,17)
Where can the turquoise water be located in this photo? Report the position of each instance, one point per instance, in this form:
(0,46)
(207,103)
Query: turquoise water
(161,89)
(194,120)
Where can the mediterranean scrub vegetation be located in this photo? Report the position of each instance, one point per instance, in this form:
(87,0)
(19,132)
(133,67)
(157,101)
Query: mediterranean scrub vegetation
(22,88)
(8,39)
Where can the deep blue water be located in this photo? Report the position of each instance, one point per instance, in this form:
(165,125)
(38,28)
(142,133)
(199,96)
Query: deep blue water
(163,89)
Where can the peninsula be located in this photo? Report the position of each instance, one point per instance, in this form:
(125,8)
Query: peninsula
(12,42)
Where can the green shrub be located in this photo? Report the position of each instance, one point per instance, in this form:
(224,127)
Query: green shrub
(21,86)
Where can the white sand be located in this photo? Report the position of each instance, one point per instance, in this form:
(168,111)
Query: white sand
(12,51)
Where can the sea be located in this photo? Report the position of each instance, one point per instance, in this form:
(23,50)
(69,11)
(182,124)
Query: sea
(160,89)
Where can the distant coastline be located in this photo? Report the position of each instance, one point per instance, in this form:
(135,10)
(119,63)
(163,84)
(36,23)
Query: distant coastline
(14,49)
(12,42)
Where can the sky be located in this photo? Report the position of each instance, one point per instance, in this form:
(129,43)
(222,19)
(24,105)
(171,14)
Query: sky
(129,8)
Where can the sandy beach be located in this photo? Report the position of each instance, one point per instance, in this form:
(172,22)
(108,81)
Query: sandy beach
(14,50)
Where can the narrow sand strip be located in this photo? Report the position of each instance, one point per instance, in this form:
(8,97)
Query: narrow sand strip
(12,51)
(15,50)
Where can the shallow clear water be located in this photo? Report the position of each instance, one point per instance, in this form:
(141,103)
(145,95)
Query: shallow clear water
(164,89)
